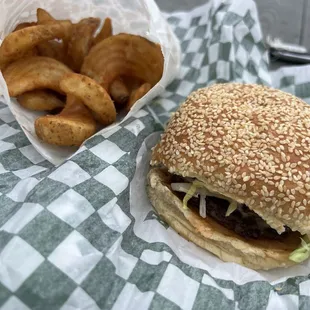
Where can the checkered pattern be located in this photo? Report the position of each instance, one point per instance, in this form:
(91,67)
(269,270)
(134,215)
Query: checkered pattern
(67,237)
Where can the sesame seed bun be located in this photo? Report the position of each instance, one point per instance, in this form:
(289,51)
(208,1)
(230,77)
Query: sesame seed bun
(250,143)
(206,233)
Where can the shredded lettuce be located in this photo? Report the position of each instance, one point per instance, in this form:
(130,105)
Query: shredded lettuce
(200,188)
(199,184)
(181,187)
(303,252)
(232,207)
(190,193)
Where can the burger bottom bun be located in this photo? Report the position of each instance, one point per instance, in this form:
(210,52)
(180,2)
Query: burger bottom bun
(209,235)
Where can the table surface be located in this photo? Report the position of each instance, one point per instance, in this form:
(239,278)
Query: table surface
(288,20)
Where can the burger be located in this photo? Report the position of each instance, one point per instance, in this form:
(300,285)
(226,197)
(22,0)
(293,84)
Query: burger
(231,173)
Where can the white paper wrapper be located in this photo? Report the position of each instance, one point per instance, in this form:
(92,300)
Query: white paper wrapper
(140,17)
(188,252)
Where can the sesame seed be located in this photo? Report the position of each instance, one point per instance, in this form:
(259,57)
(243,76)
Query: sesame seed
(246,178)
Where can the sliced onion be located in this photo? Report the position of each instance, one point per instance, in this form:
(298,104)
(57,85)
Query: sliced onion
(182,187)
(203,205)
(232,207)
(196,189)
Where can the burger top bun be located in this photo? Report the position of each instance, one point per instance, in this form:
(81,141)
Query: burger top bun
(249,143)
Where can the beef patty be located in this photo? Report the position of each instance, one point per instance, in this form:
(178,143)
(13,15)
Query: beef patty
(242,221)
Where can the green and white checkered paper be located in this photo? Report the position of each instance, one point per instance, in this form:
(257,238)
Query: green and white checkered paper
(79,236)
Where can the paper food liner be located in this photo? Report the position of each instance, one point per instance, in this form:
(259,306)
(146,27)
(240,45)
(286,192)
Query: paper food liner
(187,251)
(140,17)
